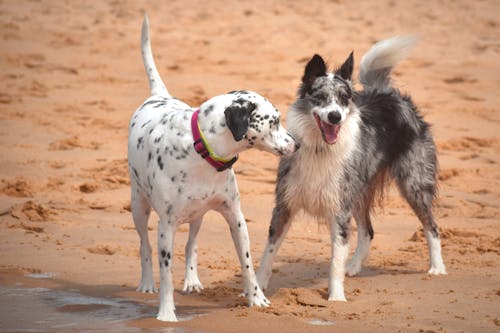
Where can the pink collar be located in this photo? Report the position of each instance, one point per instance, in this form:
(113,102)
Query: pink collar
(201,146)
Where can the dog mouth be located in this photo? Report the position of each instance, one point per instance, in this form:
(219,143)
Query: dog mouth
(328,131)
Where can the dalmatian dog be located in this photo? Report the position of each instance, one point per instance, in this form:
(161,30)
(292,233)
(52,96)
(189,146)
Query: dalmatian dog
(180,162)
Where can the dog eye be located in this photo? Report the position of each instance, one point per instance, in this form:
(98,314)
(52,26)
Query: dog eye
(344,97)
(318,99)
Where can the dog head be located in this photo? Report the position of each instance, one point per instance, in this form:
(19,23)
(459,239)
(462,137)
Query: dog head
(252,119)
(327,95)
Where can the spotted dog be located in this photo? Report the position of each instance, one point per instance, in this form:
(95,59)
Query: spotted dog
(352,143)
(180,162)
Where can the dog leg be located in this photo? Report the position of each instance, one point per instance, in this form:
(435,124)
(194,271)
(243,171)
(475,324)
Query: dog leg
(166,235)
(140,214)
(365,236)
(417,184)
(191,280)
(339,231)
(280,224)
(431,231)
(239,233)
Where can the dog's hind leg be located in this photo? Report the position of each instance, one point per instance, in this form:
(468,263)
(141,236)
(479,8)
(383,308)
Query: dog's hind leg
(280,224)
(166,235)
(191,280)
(361,214)
(416,179)
(140,214)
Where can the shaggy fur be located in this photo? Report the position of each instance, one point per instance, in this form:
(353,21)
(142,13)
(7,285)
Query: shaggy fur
(351,142)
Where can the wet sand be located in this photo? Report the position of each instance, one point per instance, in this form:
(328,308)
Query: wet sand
(72,75)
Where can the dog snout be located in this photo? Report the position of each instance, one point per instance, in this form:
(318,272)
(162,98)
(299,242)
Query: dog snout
(334,117)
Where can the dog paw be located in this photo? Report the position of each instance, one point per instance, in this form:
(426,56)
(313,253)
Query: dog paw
(337,297)
(353,268)
(439,270)
(337,292)
(166,315)
(192,284)
(147,287)
(257,298)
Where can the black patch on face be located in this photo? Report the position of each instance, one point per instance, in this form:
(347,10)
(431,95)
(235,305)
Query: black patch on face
(343,92)
(237,117)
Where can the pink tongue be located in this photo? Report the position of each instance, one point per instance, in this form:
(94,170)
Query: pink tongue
(330,132)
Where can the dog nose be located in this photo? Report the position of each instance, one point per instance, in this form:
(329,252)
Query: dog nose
(334,117)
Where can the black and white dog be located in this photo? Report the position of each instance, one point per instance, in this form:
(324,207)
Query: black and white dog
(180,165)
(351,143)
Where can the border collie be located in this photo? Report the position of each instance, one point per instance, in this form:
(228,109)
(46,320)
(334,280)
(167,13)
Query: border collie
(352,143)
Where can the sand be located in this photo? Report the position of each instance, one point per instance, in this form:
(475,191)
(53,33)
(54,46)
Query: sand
(72,75)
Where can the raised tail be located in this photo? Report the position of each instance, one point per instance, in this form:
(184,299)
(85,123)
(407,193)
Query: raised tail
(156,84)
(377,63)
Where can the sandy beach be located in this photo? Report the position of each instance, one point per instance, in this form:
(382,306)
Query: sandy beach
(72,76)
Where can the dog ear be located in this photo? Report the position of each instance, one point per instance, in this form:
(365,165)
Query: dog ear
(315,67)
(345,71)
(237,115)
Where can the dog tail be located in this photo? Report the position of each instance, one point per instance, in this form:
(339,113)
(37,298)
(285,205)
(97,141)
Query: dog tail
(377,63)
(156,84)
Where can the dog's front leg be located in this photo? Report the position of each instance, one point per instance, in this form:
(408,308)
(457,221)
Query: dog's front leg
(239,233)
(339,232)
(280,224)
(166,234)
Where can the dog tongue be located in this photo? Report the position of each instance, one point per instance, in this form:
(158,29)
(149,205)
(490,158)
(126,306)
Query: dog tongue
(330,132)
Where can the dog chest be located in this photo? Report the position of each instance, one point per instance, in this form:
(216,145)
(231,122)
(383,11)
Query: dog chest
(313,181)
